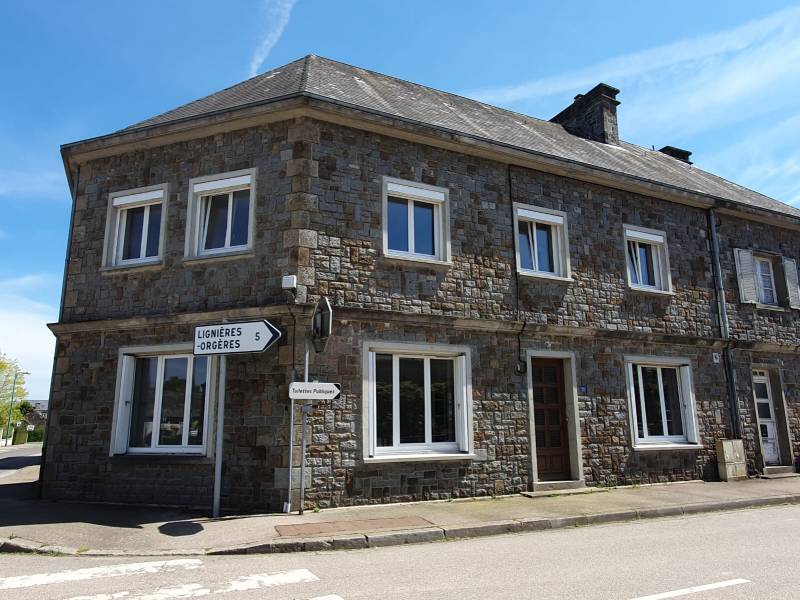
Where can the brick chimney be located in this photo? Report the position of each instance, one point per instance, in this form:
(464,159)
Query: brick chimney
(592,115)
(678,153)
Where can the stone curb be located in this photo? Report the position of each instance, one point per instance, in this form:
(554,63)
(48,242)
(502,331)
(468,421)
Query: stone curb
(418,536)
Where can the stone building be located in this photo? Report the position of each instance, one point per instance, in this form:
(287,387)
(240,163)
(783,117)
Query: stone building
(518,304)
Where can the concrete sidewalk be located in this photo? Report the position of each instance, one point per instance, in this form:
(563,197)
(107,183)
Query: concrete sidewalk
(95,530)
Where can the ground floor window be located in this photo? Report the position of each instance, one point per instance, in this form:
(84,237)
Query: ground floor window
(661,401)
(163,403)
(417,402)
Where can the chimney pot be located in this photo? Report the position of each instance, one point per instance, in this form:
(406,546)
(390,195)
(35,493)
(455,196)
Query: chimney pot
(679,153)
(592,115)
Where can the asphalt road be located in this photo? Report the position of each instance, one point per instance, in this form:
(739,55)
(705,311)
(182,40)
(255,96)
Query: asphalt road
(742,554)
(18,457)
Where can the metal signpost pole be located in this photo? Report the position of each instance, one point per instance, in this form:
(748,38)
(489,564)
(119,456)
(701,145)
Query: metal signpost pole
(287,507)
(303,434)
(220,422)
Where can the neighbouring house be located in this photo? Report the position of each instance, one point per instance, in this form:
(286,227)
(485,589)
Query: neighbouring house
(519,304)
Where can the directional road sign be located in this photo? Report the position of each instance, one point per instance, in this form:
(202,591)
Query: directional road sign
(235,338)
(314,390)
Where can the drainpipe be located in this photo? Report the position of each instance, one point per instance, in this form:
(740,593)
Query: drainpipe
(724,326)
(60,318)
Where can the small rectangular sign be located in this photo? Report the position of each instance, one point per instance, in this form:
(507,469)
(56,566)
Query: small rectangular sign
(314,390)
(235,338)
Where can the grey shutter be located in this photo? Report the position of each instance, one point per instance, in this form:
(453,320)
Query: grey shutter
(792,284)
(745,270)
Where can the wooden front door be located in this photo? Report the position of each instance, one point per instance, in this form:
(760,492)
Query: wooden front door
(550,420)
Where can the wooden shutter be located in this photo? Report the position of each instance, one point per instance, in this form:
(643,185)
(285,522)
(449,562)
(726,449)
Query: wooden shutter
(119,445)
(745,270)
(792,284)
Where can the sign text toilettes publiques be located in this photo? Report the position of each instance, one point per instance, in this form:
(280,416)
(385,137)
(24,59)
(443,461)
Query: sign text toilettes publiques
(235,338)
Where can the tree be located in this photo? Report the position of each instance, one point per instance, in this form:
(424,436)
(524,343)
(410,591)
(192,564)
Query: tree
(8,367)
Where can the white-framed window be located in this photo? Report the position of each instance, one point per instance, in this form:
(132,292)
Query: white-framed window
(647,259)
(661,400)
(162,403)
(415,221)
(767,279)
(135,229)
(419,400)
(221,214)
(542,245)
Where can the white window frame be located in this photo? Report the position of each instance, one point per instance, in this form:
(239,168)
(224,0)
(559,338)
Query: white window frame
(119,203)
(690,437)
(412,191)
(213,185)
(661,270)
(462,448)
(557,220)
(758,260)
(123,403)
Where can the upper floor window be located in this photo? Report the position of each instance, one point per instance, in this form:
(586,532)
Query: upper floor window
(162,403)
(418,400)
(221,210)
(767,279)
(661,401)
(415,221)
(542,246)
(134,230)
(647,259)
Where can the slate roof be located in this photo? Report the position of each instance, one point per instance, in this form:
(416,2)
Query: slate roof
(325,79)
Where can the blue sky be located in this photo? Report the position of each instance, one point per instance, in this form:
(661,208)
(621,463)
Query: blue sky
(718,78)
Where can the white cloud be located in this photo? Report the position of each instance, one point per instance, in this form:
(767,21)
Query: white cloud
(277,16)
(689,85)
(27,183)
(24,336)
(767,159)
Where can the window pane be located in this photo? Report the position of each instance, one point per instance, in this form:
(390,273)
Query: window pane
(216,221)
(646,264)
(143,400)
(651,402)
(638,396)
(544,248)
(763,410)
(767,285)
(384,423)
(423,228)
(241,217)
(412,401)
(633,260)
(173,400)
(672,401)
(197,408)
(443,401)
(525,248)
(153,230)
(134,225)
(397,225)
(761,390)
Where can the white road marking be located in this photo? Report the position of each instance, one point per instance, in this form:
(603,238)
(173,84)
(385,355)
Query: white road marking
(195,590)
(694,590)
(331,597)
(156,566)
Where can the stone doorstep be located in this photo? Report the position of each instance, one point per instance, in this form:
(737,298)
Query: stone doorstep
(422,535)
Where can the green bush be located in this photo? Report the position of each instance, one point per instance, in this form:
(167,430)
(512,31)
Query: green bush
(36,435)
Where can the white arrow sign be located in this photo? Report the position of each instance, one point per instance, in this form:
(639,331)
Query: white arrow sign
(314,390)
(235,338)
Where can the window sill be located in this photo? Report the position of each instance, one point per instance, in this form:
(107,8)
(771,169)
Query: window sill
(666,447)
(155,265)
(162,457)
(647,290)
(418,260)
(771,307)
(419,457)
(545,275)
(221,256)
